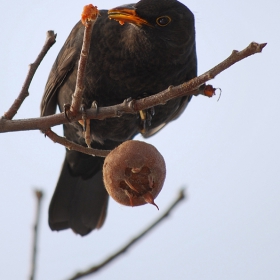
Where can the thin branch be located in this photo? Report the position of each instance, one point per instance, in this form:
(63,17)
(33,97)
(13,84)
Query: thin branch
(95,268)
(89,17)
(39,196)
(73,146)
(189,88)
(192,87)
(50,40)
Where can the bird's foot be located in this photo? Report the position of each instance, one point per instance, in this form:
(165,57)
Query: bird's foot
(128,102)
(85,123)
(66,111)
(82,122)
(146,118)
(94,105)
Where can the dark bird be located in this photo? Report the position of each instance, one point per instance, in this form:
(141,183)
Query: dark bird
(154,49)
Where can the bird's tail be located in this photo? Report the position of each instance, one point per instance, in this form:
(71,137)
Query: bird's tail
(77,203)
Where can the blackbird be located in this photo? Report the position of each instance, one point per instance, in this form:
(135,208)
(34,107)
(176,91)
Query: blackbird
(150,48)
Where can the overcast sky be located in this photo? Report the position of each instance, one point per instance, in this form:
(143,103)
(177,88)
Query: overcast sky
(226,154)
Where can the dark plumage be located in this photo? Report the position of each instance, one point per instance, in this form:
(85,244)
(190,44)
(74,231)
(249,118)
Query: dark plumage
(140,58)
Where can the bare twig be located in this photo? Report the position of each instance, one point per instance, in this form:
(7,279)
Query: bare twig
(189,88)
(73,146)
(89,17)
(192,87)
(39,196)
(95,268)
(50,40)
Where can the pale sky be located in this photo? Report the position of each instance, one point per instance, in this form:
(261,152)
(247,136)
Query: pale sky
(226,153)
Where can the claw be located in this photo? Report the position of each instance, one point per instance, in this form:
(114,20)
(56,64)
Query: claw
(94,105)
(128,99)
(66,110)
(127,102)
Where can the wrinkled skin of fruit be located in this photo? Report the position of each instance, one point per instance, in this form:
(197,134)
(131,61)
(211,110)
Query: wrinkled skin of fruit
(134,173)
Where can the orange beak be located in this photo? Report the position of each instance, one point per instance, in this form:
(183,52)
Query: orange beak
(125,14)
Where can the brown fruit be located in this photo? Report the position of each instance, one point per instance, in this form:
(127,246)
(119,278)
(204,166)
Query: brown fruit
(134,173)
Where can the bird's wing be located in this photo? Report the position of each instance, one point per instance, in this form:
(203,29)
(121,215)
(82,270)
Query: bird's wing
(184,101)
(63,65)
(179,110)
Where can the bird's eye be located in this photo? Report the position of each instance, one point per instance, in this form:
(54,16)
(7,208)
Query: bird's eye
(163,21)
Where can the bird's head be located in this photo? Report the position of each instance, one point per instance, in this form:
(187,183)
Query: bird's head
(167,19)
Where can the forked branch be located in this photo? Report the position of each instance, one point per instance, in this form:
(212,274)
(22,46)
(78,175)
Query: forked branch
(193,87)
(50,40)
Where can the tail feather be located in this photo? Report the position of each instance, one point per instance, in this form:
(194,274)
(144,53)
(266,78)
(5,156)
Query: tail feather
(77,203)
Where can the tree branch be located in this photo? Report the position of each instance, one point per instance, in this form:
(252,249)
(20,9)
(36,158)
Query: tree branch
(73,146)
(95,268)
(39,196)
(193,87)
(89,17)
(50,40)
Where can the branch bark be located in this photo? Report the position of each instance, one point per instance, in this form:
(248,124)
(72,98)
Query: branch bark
(193,87)
(73,146)
(39,196)
(50,40)
(89,17)
(95,268)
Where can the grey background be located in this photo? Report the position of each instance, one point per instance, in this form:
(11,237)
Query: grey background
(226,153)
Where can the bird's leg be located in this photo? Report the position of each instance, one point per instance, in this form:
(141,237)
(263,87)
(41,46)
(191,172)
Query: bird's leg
(85,123)
(142,114)
(84,117)
(145,115)
(87,133)
(146,118)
